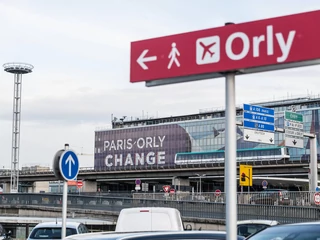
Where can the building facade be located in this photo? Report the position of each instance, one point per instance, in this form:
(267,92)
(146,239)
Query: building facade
(194,139)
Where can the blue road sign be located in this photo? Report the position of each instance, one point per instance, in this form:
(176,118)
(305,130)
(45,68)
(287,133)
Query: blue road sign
(69,165)
(264,183)
(258,118)
(258,126)
(258,109)
(137,181)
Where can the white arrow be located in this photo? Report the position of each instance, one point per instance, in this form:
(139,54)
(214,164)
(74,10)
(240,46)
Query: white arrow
(71,162)
(142,59)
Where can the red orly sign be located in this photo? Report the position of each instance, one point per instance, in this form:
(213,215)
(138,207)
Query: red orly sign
(263,45)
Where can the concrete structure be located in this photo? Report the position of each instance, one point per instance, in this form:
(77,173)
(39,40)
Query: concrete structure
(17,69)
(157,178)
(198,141)
(35,169)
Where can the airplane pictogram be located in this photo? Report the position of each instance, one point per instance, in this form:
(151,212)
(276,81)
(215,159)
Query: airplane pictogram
(206,49)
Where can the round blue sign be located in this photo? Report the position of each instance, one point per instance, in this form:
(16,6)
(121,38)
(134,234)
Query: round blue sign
(138,182)
(69,165)
(264,183)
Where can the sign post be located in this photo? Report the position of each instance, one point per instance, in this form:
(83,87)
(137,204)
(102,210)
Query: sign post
(265,45)
(66,168)
(293,125)
(137,182)
(230,171)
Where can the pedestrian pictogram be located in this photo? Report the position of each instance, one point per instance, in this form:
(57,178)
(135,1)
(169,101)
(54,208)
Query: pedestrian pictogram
(173,56)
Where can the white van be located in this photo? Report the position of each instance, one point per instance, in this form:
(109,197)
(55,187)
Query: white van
(149,219)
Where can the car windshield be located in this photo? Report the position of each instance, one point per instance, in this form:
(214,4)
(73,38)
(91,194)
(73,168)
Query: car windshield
(289,232)
(50,233)
(248,229)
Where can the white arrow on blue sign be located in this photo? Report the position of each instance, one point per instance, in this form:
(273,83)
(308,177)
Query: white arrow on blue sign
(69,165)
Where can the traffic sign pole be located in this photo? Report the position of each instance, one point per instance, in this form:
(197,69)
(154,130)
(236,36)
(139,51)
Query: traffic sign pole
(230,158)
(66,168)
(64,203)
(313,164)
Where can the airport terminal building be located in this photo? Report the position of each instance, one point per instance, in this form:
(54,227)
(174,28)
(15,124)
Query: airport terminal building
(197,140)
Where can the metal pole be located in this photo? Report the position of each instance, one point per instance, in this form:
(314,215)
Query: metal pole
(16,133)
(313,164)
(64,204)
(64,208)
(200,186)
(230,159)
(249,181)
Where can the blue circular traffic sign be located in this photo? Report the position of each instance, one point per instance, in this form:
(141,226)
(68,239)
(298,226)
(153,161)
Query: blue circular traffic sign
(69,165)
(264,183)
(138,181)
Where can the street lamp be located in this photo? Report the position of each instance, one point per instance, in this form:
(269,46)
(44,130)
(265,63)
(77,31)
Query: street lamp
(200,176)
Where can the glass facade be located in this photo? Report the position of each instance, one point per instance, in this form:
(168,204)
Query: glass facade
(156,146)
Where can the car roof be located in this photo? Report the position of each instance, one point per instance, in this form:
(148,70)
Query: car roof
(164,234)
(258,221)
(58,224)
(305,223)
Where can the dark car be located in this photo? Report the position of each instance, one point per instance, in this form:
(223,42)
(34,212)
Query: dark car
(168,235)
(296,231)
(271,197)
(248,227)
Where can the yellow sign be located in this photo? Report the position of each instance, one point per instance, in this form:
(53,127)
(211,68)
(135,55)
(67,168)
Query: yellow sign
(245,175)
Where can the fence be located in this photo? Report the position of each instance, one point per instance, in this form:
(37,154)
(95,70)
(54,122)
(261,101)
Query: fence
(205,206)
(268,197)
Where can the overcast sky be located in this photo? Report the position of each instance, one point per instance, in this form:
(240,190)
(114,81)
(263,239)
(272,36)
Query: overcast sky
(81,49)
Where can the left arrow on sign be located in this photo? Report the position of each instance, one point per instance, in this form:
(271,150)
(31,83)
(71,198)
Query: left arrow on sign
(71,162)
(142,59)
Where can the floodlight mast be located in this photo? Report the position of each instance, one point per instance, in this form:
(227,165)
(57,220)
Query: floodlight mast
(17,69)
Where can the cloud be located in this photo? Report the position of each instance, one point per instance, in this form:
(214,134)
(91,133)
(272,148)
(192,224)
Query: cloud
(81,57)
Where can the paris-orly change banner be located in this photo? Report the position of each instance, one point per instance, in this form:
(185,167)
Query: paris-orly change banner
(141,147)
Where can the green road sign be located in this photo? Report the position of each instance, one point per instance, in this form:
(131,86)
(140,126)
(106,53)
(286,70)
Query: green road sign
(294,116)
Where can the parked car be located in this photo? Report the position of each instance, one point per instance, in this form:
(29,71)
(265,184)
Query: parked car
(271,197)
(167,235)
(295,231)
(248,227)
(52,230)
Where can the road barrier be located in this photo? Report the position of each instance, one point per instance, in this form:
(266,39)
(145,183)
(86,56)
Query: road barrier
(300,207)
